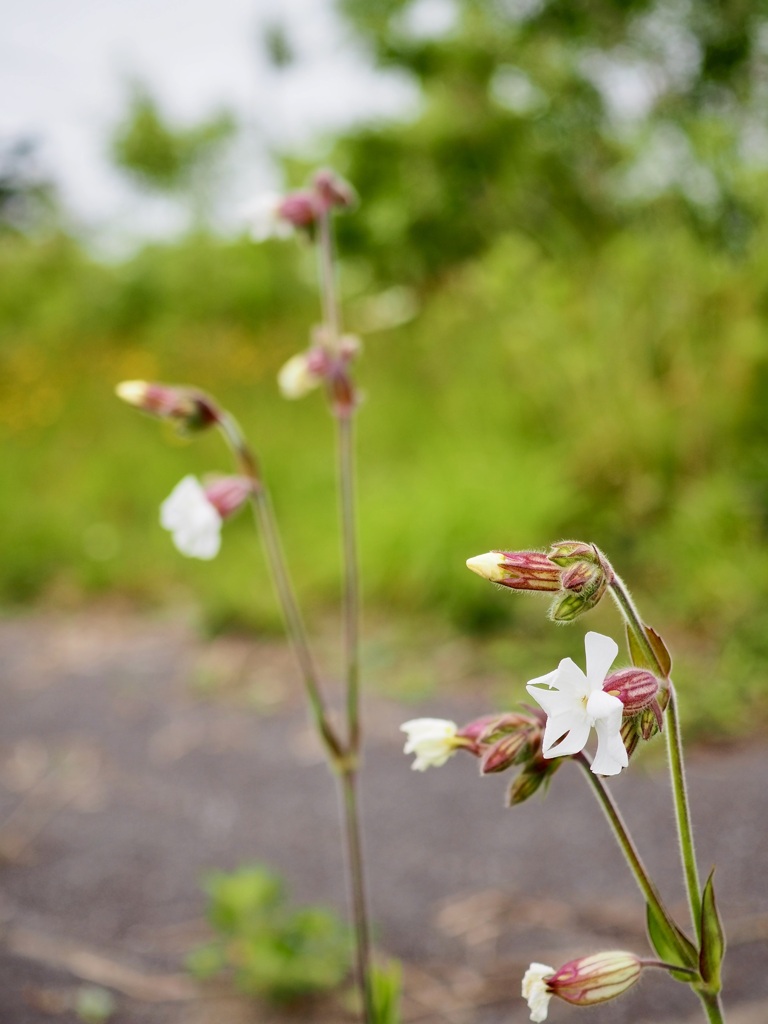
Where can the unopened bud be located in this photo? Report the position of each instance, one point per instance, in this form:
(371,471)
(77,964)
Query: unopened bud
(299,209)
(228,494)
(505,753)
(519,570)
(595,979)
(333,190)
(568,552)
(636,688)
(188,408)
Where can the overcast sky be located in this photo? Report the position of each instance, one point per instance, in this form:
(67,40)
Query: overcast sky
(64,66)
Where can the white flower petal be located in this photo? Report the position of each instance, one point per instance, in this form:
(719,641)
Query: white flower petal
(552,701)
(611,755)
(432,740)
(534,990)
(577,733)
(194,523)
(571,679)
(601,654)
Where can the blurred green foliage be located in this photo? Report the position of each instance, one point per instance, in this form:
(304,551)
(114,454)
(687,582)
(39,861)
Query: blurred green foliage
(275,951)
(157,154)
(619,399)
(561,119)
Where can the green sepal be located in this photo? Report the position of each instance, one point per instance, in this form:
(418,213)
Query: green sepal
(640,657)
(671,944)
(712,938)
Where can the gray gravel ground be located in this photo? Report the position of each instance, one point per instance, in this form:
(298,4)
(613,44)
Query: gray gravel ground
(125,773)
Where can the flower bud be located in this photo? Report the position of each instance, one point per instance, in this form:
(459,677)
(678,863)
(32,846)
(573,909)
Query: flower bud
(519,570)
(228,494)
(189,409)
(333,190)
(568,552)
(506,752)
(595,979)
(299,209)
(302,373)
(636,688)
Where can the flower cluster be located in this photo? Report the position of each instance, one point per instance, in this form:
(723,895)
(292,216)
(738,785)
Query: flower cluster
(577,573)
(325,361)
(272,215)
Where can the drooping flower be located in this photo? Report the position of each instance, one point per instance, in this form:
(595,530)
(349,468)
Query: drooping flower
(575,703)
(272,215)
(193,521)
(583,982)
(535,990)
(432,740)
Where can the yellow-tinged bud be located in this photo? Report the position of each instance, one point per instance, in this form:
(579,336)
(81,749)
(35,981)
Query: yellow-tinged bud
(188,408)
(518,570)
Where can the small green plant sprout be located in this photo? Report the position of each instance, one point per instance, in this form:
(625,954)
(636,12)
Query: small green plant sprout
(271,950)
(623,706)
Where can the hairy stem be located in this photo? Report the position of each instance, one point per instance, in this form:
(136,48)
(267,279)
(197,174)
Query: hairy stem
(625,841)
(627,607)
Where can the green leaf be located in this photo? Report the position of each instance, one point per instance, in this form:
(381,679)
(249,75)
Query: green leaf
(712,938)
(660,650)
(637,653)
(642,659)
(386,983)
(671,944)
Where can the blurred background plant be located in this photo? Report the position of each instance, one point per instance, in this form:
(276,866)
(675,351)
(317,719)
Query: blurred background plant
(274,951)
(559,269)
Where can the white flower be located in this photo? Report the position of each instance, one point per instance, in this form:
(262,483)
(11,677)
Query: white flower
(263,217)
(432,740)
(194,523)
(536,992)
(297,377)
(575,702)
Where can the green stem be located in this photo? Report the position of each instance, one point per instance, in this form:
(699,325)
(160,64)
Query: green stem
(713,1007)
(625,841)
(627,607)
(348,784)
(351,577)
(294,624)
(331,312)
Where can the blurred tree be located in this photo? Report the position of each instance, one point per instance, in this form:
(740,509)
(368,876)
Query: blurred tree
(27,197)
(560,118)
(181,162)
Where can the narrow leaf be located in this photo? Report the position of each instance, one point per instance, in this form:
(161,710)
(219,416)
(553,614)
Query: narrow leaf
(637,652)
(671,944)
(712,938)
(660,650)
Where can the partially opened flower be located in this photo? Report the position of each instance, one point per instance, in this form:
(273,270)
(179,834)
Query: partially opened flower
(194,522)
(576,703)
(583,982)
(432,740)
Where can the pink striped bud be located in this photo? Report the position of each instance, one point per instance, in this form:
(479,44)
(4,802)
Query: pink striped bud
(595,979)
(188,408)
(636,688)
(505,753)
(228,494)
(519,570)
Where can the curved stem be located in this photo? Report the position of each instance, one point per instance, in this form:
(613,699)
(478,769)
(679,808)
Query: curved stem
(628,848)
(294,623)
